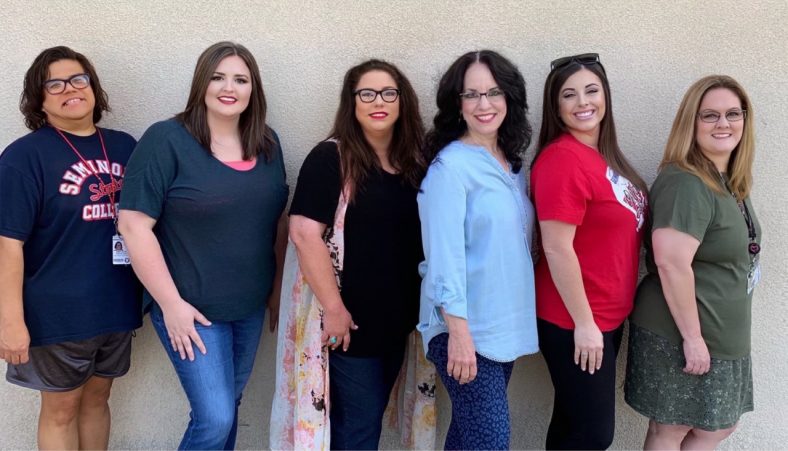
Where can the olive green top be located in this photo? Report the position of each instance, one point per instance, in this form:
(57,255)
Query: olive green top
(681,201)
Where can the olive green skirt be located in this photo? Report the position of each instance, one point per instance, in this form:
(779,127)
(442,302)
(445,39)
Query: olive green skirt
(658,388)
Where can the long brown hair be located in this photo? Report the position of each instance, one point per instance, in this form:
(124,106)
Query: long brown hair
(256,137)
(553,126)
(32,98)
(682,148)
(357,157)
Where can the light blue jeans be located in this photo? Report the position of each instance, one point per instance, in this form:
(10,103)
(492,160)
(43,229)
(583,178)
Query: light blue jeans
(215,381)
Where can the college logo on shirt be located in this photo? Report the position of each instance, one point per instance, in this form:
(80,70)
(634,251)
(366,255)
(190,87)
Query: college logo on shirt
(80,172)
(628,195)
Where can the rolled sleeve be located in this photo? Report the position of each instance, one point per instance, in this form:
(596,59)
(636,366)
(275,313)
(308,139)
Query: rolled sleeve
(150,172)
(442,209)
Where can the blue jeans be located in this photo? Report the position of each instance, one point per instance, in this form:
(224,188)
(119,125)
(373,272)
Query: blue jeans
(360,389)
(215,381)
(480,408)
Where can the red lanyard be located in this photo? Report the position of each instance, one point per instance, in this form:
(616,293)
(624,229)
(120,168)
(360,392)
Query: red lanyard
(111,190)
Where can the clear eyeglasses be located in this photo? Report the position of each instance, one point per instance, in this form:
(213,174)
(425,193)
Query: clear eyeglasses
(492,95)
(711,116)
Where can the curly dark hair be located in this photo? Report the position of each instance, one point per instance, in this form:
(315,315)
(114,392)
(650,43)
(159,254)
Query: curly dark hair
(32,98)
(514,135)
(357,156)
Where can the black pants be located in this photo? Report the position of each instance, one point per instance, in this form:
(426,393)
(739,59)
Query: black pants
(584,407)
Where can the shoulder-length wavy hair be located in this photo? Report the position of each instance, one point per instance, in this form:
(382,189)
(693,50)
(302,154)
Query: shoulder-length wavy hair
(357,157)
(553,126)
(256,137)
(514,135)
(33,93)
(682,148)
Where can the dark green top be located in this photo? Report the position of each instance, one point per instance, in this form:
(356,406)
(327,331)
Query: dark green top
(216,225)
(681,201)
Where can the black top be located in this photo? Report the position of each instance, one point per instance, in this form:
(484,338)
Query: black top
(216,225)
(380,279)
(53,201)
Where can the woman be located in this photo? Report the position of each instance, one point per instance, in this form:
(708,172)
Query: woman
(590,203)
(355,227)
(689,366)
(477,298)
(67,311)
(205,192)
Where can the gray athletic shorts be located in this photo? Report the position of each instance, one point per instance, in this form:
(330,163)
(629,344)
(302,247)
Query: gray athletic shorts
(68,365)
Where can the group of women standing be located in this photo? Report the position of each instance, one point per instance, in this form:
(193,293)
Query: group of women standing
(391,228)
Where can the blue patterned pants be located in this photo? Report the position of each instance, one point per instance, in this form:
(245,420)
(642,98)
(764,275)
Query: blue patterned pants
(479,409)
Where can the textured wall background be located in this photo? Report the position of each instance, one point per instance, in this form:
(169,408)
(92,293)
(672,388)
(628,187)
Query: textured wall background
(145,52)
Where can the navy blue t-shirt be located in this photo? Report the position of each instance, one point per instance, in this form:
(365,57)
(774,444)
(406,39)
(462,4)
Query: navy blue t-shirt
(216,225)
(52,201)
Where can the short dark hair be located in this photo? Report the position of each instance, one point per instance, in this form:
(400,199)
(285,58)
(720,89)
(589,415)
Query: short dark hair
(256,137)
(357,156)
(553,126)
(514,135)
(32,98)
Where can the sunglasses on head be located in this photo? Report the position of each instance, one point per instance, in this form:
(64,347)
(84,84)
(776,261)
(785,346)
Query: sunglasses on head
(585,59)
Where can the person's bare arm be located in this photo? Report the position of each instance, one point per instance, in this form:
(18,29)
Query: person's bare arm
(557,241)
(307,236)
(149,265)
(673,254)
(14,336)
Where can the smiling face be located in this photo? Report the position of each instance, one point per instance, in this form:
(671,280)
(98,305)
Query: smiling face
(73,108)
(484,115)
(377,117)
(717,140)
(581,105)
(230,88)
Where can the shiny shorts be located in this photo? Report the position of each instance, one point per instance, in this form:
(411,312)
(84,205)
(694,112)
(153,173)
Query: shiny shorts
(65,366)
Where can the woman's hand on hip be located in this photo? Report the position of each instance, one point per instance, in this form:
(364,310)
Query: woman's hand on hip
(461,357)
(337,324)
(696,354)
(179,318)
(589,347)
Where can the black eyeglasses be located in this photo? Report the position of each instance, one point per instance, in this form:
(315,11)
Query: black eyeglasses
(711,116)
(389,95)
(585,59)
(58,85)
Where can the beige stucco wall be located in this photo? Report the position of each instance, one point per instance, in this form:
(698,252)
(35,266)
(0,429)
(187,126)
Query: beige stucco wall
(145,51)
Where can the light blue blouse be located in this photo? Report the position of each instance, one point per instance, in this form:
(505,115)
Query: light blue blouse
(476,224)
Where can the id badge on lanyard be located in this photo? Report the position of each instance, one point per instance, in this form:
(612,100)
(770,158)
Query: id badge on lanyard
(120,255)
(754,274)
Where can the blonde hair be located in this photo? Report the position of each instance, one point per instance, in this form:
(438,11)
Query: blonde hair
(682,149)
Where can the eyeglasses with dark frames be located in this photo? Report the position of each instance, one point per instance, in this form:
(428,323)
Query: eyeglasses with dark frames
(584,59)
(57,86)
(389,95)
(491,94)
(712,117)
